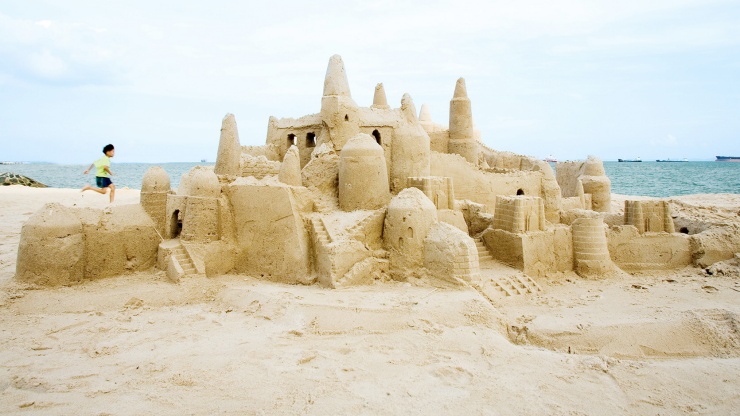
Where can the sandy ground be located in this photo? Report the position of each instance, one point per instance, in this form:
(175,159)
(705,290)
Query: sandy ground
(656,343)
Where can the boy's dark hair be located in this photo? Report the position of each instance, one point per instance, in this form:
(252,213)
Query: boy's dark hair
(108,148)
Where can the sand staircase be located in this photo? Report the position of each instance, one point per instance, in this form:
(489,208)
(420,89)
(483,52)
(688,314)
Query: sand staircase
(319,230)
(181,256)
(325,205)
(506,280)
(483,254)
(360,230)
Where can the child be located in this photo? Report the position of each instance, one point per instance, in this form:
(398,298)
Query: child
(103,174)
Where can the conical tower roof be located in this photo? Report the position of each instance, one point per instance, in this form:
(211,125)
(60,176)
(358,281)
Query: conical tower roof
(424,114)
(461,91)
(335,82)
(379,99)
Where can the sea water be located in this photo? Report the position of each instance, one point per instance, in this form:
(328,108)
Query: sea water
(657,179)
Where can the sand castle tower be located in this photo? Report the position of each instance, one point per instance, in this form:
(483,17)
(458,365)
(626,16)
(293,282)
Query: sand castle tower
(519,214)
(596,183)
(408,220)
(155,186)
(462,134)
(229,148)
(649,216)
(290,169)
(201,222)
(338,111)
(379,99)
(590,248)
(363,175)
(410,154)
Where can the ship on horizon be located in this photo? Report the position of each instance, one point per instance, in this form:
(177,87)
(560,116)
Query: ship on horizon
(728,158)
(669,160)
(637,159)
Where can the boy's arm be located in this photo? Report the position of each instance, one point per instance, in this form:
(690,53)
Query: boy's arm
(88,169)
(107,169)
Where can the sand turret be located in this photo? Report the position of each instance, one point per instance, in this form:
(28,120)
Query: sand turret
(363,175)
(335,82)
(424,115)
(379,99)
(408,108)
(408,220)
(338,111)
(229,148)
(202,221)
(290,169)
(155,186)
(462,134)
(410,151)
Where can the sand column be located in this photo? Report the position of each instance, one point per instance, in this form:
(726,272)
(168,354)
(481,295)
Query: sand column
(590,248)
(462,136)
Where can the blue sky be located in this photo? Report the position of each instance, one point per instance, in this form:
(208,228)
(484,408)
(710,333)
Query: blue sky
(655,79)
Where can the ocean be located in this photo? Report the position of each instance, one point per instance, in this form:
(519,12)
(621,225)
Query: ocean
(644,178)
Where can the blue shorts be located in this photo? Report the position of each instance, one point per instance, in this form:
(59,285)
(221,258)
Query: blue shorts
(103,182)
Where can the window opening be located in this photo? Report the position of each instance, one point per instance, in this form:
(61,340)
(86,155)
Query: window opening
(310,140)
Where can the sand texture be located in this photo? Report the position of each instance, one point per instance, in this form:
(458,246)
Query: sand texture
(643,343)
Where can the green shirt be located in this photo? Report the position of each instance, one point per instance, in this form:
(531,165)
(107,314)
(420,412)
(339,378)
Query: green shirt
(100,165)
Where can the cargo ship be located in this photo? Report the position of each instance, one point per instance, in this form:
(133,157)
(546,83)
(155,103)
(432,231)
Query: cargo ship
(629,160)
(728,158)
(669,160)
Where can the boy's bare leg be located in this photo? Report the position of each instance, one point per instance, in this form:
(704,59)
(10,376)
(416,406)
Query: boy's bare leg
(112,192)
(98,190)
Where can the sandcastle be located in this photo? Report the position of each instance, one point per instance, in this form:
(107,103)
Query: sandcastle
(352,195)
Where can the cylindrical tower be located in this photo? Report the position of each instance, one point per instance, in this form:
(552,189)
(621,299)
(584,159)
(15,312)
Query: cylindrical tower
(363,175)
(462,135)
(408,220)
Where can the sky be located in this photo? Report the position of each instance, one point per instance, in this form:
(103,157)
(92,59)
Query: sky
(570,78)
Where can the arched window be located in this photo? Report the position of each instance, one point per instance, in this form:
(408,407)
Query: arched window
(520,191)
(291,139)
(376,134)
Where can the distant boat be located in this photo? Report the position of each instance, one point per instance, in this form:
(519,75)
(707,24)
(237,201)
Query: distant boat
(669,160)
(728,158)
(630,160)
(551,158)
(203,161)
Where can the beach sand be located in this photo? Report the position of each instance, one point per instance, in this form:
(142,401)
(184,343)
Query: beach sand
(663,342)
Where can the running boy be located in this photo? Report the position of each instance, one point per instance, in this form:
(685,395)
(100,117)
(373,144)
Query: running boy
(103,173)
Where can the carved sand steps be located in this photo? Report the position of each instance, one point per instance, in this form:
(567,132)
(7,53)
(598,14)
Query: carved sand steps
(320,232)
(498,279)
(484,255)
(360,230)
(178,261)
(325,205)
(183,259)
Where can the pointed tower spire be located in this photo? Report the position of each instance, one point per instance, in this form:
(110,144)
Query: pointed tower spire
(461,91)
(229,148)
(408,108)
(379,99)
(424,114)
(335,82)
